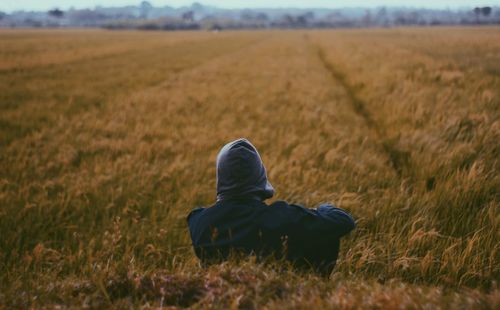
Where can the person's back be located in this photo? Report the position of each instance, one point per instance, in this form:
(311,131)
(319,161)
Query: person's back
(240,220)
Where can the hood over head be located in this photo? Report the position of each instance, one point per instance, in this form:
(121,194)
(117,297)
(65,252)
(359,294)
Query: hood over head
(241,172)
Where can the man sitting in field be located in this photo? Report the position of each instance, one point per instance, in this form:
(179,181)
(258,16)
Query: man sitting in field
(240,220)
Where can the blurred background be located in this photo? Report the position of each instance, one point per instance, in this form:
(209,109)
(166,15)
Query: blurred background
(220,15)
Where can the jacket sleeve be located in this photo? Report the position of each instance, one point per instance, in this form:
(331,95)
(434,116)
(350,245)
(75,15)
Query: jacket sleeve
(192,220)
(314,235)
(327,221)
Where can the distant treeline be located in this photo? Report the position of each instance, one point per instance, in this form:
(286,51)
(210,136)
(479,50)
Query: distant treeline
(198,16)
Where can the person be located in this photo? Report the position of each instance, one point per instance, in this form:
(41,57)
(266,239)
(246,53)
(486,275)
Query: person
(240,221)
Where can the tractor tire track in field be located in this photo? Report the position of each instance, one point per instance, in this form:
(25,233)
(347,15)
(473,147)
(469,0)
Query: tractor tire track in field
(135,51)
(399,160)
(227,53)
(92,105)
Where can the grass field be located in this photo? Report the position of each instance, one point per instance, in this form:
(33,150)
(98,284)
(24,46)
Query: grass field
(108,139)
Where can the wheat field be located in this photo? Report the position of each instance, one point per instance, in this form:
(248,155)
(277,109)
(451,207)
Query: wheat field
(109,139)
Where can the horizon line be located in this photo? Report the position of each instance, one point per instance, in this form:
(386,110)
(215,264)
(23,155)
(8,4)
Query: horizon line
(390,6)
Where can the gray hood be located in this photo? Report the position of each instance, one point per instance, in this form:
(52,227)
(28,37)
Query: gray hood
(241,173)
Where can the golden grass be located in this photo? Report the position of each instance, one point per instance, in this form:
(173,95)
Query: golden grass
(109,139)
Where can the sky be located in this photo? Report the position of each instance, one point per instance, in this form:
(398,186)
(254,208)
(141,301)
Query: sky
(12,5)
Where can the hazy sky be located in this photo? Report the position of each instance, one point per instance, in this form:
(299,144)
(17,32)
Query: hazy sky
(10,5)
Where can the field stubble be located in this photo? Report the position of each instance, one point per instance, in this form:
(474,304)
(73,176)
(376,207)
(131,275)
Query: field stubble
(106,146)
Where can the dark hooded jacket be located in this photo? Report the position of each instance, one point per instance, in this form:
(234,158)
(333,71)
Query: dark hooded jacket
(240,220)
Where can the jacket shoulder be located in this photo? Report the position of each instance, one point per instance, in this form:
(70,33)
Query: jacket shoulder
(279,203)
(295,208)
(283,212)
(194,212)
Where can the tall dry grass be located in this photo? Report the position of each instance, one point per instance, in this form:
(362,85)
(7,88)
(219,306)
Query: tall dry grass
(104,153)
(435,106)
